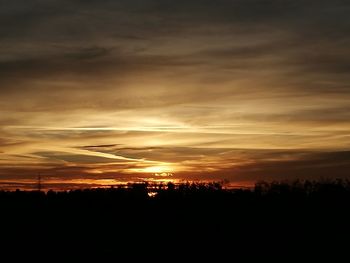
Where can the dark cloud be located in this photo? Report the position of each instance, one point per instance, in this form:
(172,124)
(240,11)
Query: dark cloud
(301,165)
(224,11)
(311,166)
(89,53)
(74,158)
(103,41)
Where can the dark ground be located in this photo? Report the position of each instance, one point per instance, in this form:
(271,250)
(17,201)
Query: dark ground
(276,221)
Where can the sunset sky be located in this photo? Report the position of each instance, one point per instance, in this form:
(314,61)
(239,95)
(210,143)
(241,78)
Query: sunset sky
(102,92)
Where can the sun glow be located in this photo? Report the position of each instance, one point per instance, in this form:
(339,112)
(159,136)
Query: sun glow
(158,170)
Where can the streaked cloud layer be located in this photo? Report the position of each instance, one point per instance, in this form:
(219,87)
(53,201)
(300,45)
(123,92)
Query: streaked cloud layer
(134,90)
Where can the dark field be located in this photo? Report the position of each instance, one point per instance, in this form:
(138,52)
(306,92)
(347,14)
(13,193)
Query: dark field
(272,220)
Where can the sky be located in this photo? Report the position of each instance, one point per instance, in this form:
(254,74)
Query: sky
(105,92)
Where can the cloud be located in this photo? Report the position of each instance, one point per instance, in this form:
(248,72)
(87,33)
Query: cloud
(291,45)
(218,88)
(276,165)
(89,53)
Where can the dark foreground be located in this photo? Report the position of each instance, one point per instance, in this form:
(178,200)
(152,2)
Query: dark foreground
(272,221)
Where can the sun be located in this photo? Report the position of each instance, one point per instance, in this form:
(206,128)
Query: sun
(156,169)
(160,170)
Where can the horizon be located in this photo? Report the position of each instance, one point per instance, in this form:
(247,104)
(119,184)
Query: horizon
(72,184)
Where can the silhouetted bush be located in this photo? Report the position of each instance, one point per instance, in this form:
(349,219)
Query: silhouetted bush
(272,215)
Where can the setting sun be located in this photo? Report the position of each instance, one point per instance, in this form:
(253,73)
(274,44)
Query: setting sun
(159,170)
